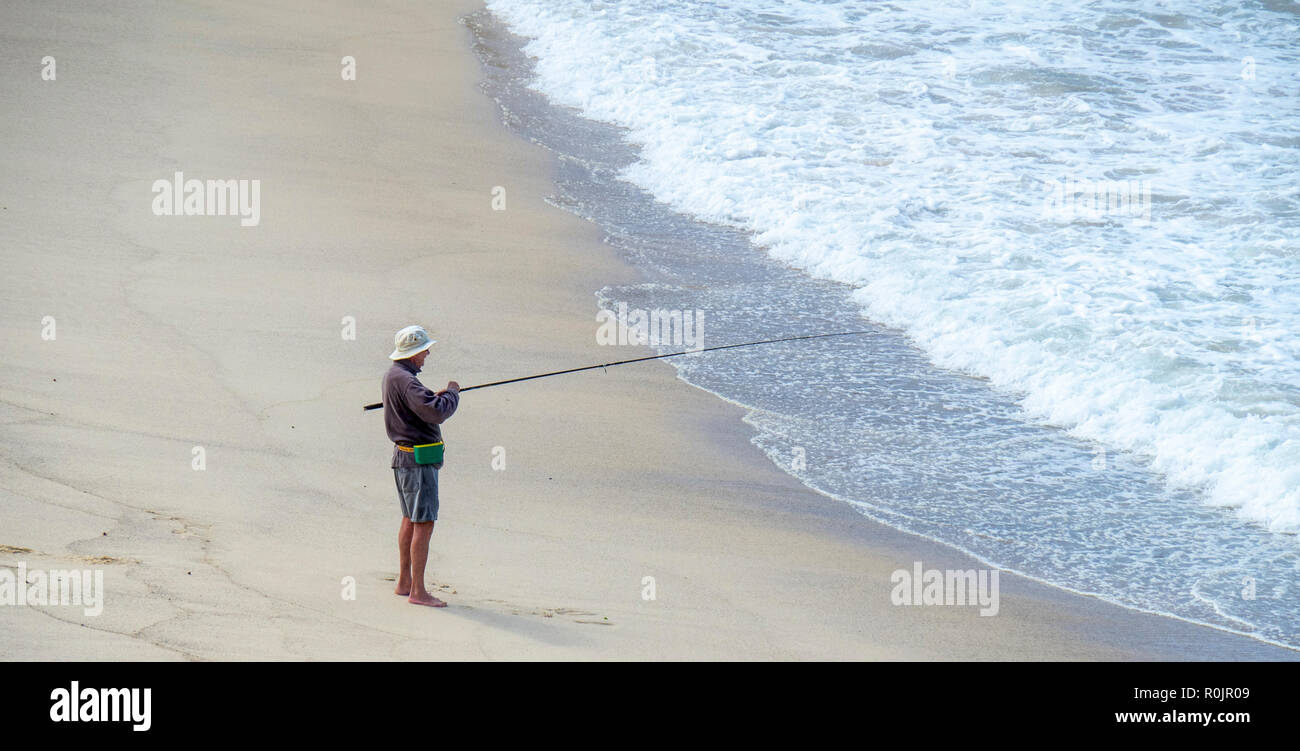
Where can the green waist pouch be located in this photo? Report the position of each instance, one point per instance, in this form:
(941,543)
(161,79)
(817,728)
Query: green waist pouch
(428,453)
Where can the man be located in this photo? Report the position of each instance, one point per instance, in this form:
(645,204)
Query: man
(412,414)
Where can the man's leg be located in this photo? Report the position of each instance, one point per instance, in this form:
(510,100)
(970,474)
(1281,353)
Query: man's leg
(404,557)
(419,557)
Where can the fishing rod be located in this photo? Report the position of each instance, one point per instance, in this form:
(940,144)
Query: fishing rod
(377,405)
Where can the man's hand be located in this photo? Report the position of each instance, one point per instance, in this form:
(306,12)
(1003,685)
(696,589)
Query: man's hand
(451,386)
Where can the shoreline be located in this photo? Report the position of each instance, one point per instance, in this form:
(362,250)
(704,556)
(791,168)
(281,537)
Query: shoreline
(176,333)
(601,150)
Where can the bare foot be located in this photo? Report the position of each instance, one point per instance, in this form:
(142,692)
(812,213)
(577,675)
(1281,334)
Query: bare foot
(403,591)
(426,599)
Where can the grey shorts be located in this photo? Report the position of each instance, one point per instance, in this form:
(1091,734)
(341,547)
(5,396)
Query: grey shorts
(417,488)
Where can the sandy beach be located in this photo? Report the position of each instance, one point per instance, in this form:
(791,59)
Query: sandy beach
(194,427)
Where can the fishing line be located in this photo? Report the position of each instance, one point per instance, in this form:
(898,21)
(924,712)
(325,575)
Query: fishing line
(378,405)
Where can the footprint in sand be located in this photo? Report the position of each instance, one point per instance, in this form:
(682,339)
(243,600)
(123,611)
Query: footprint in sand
(106,560)
(442,587)
(552,612)
(97,560)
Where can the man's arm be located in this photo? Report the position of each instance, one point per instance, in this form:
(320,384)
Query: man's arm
(430,407)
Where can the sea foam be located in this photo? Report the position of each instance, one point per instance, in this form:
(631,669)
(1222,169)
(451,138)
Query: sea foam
(909,150)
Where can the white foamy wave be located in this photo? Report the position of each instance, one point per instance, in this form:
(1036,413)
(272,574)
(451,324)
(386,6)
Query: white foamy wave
(910,150)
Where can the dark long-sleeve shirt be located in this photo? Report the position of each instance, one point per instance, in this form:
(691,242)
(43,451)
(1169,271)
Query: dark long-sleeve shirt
(412,412)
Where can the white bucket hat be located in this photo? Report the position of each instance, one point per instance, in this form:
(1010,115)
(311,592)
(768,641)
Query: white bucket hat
(410,341)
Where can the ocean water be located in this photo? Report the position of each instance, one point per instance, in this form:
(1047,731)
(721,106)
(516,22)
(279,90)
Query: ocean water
(1098,392)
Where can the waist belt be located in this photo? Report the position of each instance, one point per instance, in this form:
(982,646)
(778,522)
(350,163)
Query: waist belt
(425,453)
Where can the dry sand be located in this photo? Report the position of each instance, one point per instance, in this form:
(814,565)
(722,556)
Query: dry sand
(177,332)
